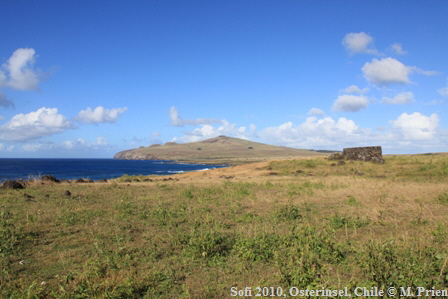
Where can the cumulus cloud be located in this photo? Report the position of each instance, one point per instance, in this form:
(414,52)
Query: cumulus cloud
(18,71)
(313,132)
(416,131)
(360,42)
(416,126)
(177,121)
(67,146)
(355,89)
(43,122)
(316,111)
(81,143)
(208,131)
(99,115)
(350,103)
(386,71)
(397,49)
(399,99)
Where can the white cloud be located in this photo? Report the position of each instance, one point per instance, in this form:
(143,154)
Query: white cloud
(43,122)
(413,132)
(313,132)
(81,143)
(101,141)
(391,71)
(99,115)
(6,148)
(397,49)
(177,121)
(399,99)
(316,111)
(350,103)
(34,147)
(19,69)
(386,71)
(18,73)
(359,43)
(355,89)
(68,146)
(208,131)
(416,126)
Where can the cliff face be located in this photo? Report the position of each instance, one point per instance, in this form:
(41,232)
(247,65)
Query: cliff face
(134,155)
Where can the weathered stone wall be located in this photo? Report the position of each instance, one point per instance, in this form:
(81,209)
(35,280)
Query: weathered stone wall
(368,153)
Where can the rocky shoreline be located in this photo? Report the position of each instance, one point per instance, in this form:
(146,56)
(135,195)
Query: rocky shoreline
(49,179)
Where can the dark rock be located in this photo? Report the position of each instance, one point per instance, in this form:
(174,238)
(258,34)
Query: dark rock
(47,195)
(299,171)
(273,173)
(48,177)
(368,153)
(147,180)
(333,164)
(67,193)
(11,184)
(90,181)
(341,162)
(102,181)
(127,181)
(80,180)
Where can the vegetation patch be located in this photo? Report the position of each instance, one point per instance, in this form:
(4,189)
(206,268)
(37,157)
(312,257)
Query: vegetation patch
(198,238)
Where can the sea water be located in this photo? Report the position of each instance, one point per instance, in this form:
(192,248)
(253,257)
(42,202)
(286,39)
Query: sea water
(12,168)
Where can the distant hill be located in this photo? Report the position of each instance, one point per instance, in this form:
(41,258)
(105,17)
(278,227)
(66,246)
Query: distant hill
(217,150)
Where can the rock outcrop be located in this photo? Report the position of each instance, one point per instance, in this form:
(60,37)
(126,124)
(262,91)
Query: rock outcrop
(11,184)
(367,153)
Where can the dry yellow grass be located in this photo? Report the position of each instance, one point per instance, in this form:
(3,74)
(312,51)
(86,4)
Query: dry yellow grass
(201,233)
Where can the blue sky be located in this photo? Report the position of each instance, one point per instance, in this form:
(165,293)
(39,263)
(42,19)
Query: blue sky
(91,78)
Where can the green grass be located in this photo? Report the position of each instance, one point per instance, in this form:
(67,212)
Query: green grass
(190,240)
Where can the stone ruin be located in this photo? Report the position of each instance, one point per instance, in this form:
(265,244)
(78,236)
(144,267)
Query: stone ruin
(367,153)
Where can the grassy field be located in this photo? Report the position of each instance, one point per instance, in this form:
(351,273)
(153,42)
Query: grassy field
(291,223)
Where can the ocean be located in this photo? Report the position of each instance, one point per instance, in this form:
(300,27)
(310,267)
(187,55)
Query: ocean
(95,169)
